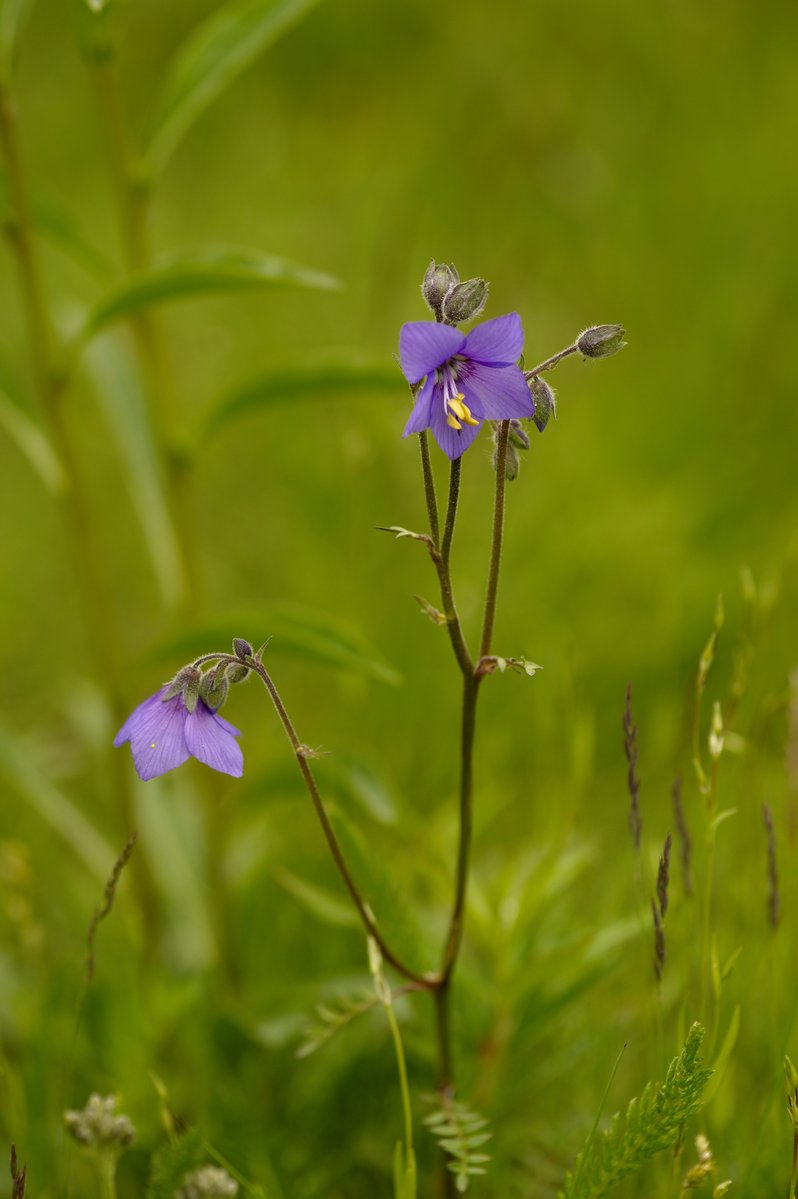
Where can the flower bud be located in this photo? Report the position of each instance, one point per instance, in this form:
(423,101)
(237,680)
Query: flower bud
(209,1182)
(214,687)
(236,674)
(601,340)
(464,301)
(438,280)
(512,463)
(242,648)
(98,1126)
(517,435)
(543,399)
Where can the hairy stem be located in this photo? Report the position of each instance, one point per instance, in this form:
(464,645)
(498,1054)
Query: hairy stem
(429,488)
(300,753)
(550,363)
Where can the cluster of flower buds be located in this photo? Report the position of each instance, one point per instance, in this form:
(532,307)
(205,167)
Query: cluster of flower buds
(98,1126)
(209,1182)
(212,685)
(452,301)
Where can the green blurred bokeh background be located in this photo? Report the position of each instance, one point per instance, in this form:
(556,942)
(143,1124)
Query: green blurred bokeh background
(615,162)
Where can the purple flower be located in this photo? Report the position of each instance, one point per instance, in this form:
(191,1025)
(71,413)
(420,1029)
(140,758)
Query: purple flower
(164,734)
(469,378)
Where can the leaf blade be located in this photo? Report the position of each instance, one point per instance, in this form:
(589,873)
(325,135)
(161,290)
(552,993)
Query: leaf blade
(208,271)
(214,54)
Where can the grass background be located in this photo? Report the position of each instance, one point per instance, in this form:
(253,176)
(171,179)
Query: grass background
(623,162)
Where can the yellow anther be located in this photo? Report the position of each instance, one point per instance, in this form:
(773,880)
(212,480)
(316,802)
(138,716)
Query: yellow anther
(453,422)
(152,745)
(460,408)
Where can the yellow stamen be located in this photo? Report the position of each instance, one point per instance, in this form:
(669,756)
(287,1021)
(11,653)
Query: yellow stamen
(152,745)
(460,408)
(453,422)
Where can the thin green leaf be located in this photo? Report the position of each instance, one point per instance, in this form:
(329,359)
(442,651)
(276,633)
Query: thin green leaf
(13,14)
(293,629)
(217,51)
(119,394)
(722,1060)
(306,381)
(321,903)
(59,226)
(208,271)
(23,774)
(33,443)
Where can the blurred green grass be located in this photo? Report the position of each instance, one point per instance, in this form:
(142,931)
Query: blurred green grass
(627,163)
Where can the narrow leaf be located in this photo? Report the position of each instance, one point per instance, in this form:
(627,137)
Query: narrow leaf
(119,393)
(208,271)
(321,903)
(13,14)
(33,443)
(218,50)
(293,629)
(306,381)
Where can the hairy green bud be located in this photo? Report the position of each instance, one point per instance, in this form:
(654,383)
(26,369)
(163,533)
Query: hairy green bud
(543,397)
(517,435)
(600,341)
(214,687)
(438,280)
(464,301)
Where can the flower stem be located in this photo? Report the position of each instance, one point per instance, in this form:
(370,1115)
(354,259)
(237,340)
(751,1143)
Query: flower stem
(496,542)
(300,753)
(451,511)
(106,1169)
(429,488)
(550,363)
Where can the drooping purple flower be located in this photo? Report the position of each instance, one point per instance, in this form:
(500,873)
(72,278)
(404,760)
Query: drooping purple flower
(163,734)
(468,378)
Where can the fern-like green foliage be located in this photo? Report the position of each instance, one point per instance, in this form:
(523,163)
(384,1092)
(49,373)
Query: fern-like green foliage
(652,1122)
(333,1016)
(460,1133)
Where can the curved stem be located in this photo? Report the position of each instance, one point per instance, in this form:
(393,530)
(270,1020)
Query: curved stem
(300,753)
(496,543)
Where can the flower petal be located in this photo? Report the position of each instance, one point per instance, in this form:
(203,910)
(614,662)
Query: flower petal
(138,716)
(423,345)
(209,740)
(157,738)
(500,340)
(419,417)
(230,728)
(496,392)
(453,442)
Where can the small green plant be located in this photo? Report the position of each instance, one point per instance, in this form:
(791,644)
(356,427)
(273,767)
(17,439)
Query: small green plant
(651,1123)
